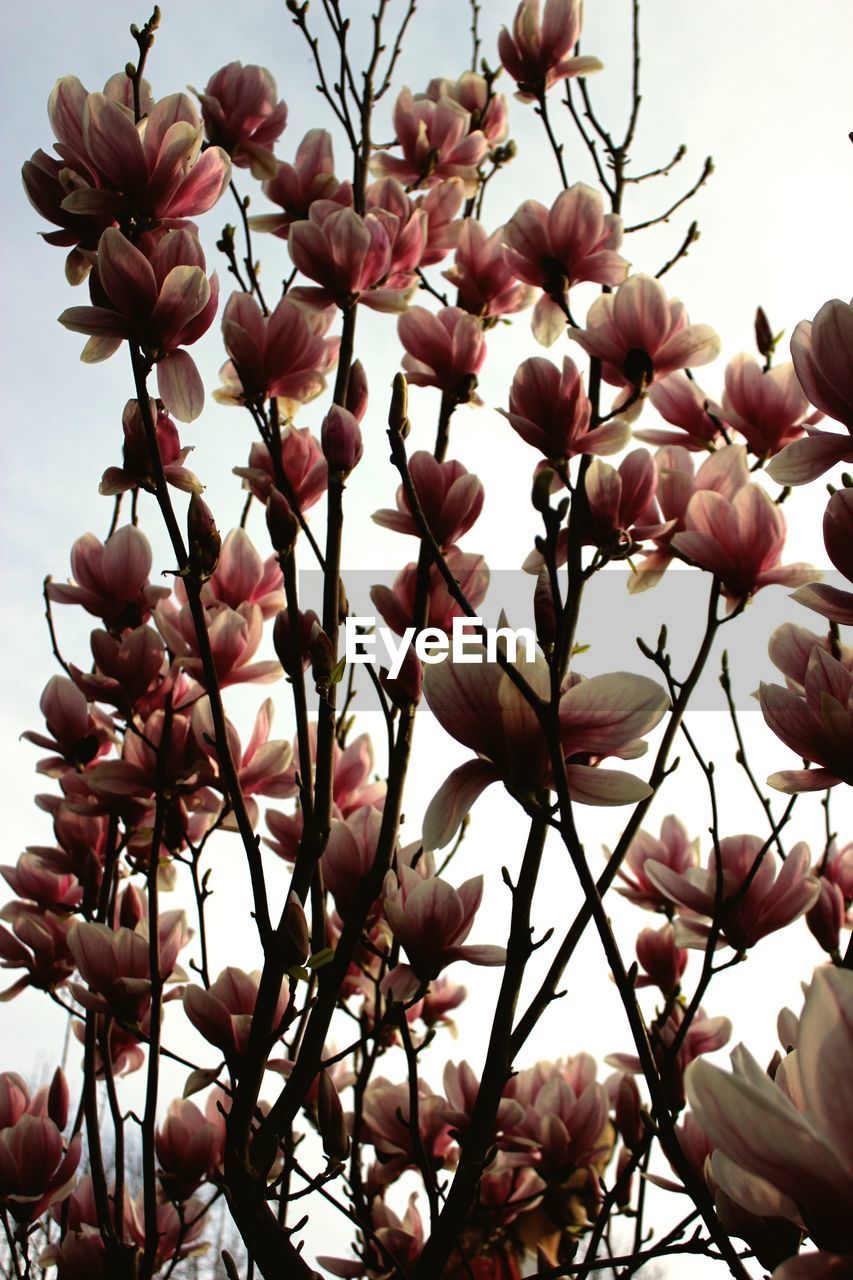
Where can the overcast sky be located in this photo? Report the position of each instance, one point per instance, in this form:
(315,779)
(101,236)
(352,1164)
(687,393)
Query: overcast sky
(762,86)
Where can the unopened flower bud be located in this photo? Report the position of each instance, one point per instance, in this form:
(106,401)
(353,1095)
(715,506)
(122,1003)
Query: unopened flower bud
(340,438)
(623,1198)
(405,689)
(132,909)
(357,391)
(540,494)
(544,613)
(627,1108)
(57,1099)
(660,958)
(826,918)
(282,524)
(398,414)
(203,538)
(296,939)
(323,656)
(763,333)
(281,638)
(331,1120)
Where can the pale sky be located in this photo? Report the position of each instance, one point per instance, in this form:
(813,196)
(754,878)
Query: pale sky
(763,86)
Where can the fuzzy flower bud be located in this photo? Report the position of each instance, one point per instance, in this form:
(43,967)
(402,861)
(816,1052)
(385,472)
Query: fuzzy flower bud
(340,438)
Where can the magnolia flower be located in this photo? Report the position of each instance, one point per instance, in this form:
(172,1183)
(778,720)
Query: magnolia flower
(445,350)
(397,604)
(476,94)
(485,282)
(242,115)
(37,1168)
(785,1145)
(137,469)
(450,498)
(431,920)
(724,472)
(661,959)
(681,402)
(436,140)
(478,705)
(159,298)
(822,352)
(110,579)
(295,187)
(242,577)
(190,1144)
(831,602)
(348,256)
(674,849)
(818,726)
(640,335)
(767,406)
(554,249)
(769,903)
(549,408)
(283,355)
(223,1013)
(302,461)
(739,540)
(537,55)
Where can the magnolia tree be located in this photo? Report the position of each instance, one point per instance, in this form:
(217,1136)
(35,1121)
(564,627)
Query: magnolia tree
(305,1093)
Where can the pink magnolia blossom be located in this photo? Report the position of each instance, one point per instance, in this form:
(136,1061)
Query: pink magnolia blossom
(705,1035)
(295,187)
(681,402)
(114,963)
(223,1013)
(281,355)
(262,769)
(832,602)
(348,257)
(431,920)
(674,849)
(565,1114)
(828,915)
(550,409)
(155,168)
(485,283)
(397,604)
(341,441)
(137,470)
(38,944)
(441,204)
(553,249)
(473,92)
(406,223)
(302,461)
(767,406)
(640,335)
(242,577)
(387,1127)
(243,115)
(190,1144)
(724,472)
(479,706)
(445,350)
(451,499)
(110,580)
(785,1145)
(623,509)
(128,670)
(48,182)
(663,962)
(235,635)
(349,854)
(177,1233)
(770,902)
(138,774)
(538,54)
(33,879)
(77,734)
(158,296)
(37,1168)
(739,540)
(822,352)
(818,725)
(437,142)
